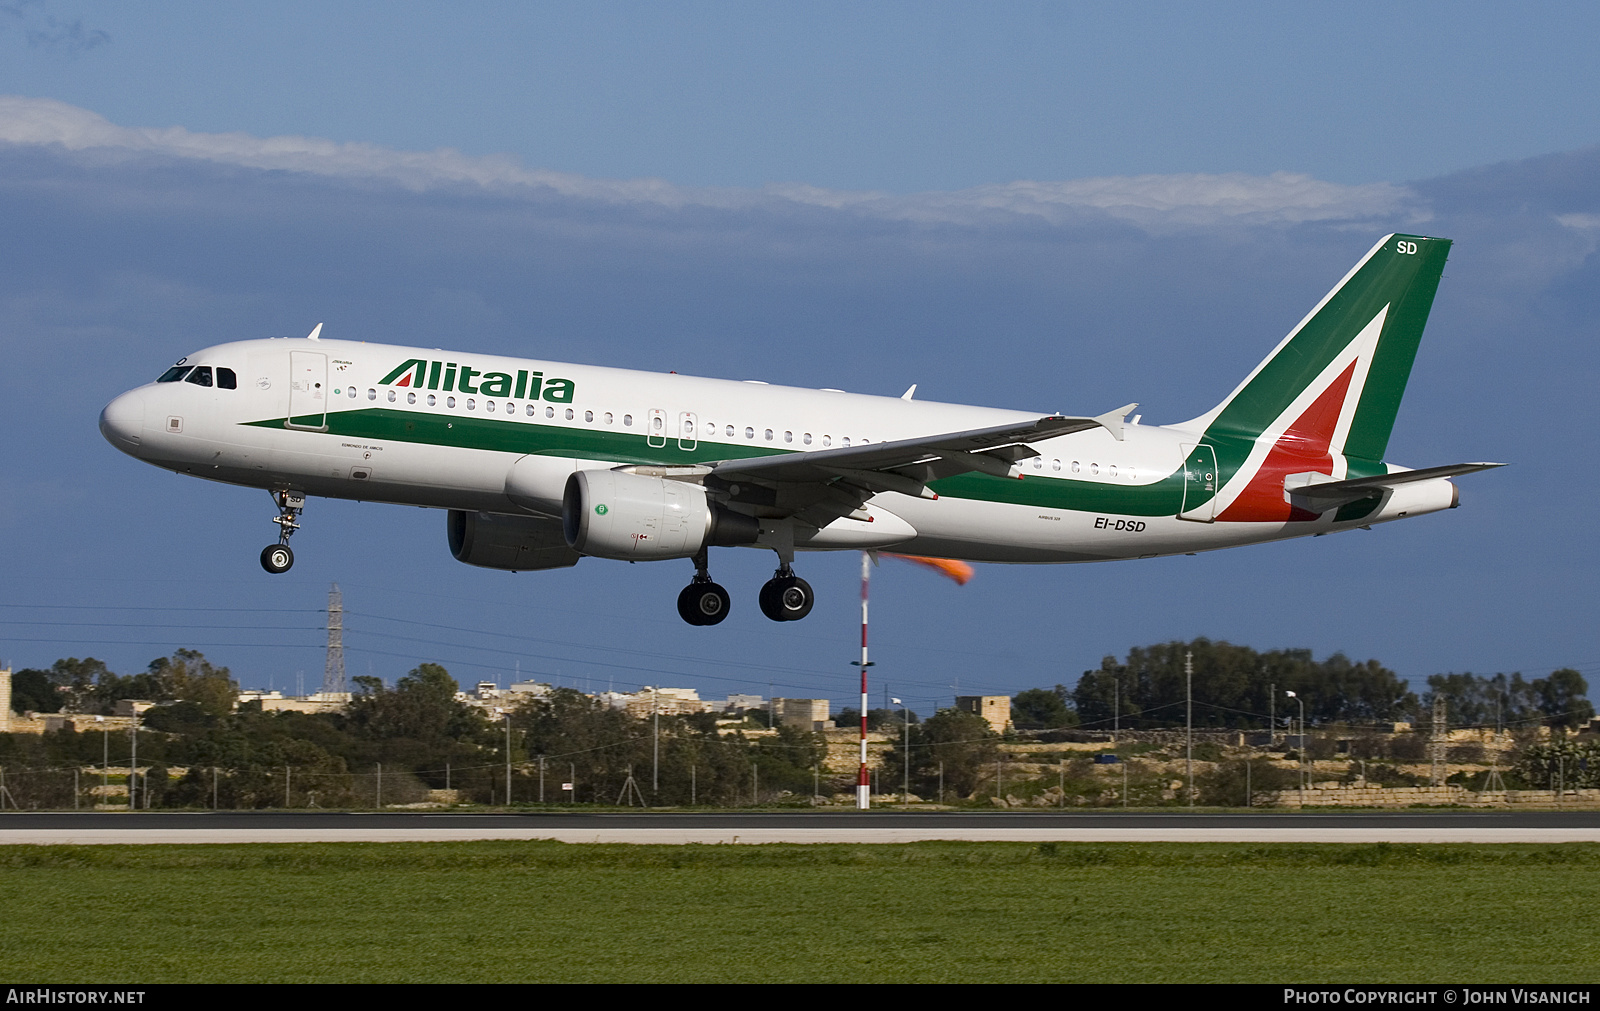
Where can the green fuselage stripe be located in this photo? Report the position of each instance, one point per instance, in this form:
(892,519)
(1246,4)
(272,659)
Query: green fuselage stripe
(1164,498)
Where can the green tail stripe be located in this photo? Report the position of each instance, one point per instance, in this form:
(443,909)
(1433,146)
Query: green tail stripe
(1397,351)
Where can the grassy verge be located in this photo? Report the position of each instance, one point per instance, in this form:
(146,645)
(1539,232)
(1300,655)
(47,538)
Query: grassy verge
(967,912)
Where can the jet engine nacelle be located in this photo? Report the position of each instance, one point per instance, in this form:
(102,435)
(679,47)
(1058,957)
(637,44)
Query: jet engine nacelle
(519,543)
(634,517)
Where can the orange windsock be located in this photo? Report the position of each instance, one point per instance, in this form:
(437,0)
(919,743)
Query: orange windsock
(959,571)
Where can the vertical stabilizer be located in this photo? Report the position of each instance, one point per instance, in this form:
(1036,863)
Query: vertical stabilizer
(1325,400)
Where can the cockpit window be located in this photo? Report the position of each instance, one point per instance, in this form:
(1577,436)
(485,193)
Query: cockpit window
(201,376)
(174,374)
(226,380)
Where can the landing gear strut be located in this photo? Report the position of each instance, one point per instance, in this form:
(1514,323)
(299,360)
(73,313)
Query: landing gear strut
(786,597)
(703,602)
(276,558)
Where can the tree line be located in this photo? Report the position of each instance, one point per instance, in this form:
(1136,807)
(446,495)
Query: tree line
(390,744)
(1236,687)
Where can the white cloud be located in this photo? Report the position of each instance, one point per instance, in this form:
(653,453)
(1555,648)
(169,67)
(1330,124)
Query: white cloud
(1579,222)
(1153,202)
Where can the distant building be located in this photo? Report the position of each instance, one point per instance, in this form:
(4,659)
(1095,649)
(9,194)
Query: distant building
(5,699)
(650,700)
(807,714)
(331,702)
(994,708)
(739,703)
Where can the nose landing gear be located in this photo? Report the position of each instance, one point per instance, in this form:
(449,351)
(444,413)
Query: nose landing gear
(276,558)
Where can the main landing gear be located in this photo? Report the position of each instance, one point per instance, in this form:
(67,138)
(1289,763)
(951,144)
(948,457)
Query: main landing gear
(784,597)
(703,602)
(276,558)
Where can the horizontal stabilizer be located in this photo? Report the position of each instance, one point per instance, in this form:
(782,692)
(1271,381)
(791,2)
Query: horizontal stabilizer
(1320,487)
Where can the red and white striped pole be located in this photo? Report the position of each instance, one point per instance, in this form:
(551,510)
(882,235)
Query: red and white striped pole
(863,784)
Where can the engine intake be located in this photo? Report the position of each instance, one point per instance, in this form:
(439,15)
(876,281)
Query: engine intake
(632,517)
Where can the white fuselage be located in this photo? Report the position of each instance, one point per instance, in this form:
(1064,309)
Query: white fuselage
(317,416)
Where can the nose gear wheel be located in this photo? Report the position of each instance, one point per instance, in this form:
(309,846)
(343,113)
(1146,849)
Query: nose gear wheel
(277,558)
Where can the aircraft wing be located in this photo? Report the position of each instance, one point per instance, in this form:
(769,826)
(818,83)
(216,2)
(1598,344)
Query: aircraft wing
(907,465)
(1308,486)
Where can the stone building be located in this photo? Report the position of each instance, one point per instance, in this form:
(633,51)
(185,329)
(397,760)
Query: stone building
(807,714)
(994,708)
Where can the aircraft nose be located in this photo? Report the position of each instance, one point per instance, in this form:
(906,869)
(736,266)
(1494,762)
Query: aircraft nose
(122,421)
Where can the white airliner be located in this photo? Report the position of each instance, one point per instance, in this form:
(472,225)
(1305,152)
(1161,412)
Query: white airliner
(541,463)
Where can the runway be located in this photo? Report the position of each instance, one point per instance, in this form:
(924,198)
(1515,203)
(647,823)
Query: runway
(99,828)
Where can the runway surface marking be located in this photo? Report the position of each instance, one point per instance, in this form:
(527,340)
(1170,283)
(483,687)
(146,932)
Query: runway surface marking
(678,836)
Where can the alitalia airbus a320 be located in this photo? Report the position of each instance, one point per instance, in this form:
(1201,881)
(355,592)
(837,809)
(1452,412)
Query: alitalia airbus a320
(540,463)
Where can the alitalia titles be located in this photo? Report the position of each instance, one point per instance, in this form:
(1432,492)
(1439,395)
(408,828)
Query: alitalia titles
(450,377)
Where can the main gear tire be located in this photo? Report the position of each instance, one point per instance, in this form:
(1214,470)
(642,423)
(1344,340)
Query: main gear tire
(703,603)
(786,598)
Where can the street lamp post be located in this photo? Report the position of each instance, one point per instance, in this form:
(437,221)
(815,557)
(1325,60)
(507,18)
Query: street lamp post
(105,756)
(133,762)
(1302,777)
(905,754)
(507,714)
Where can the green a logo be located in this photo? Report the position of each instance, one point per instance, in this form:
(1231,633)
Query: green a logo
(601,510)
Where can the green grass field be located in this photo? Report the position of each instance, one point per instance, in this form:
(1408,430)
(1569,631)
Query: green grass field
(925,912)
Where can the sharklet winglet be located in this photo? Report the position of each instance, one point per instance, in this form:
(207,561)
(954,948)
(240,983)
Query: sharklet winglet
(1112,421)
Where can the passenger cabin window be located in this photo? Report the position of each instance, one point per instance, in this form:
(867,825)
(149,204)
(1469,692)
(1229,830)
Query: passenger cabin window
(174,374)
(201,376)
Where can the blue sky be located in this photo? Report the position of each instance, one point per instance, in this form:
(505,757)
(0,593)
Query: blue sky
(894,96)
(1048,207)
